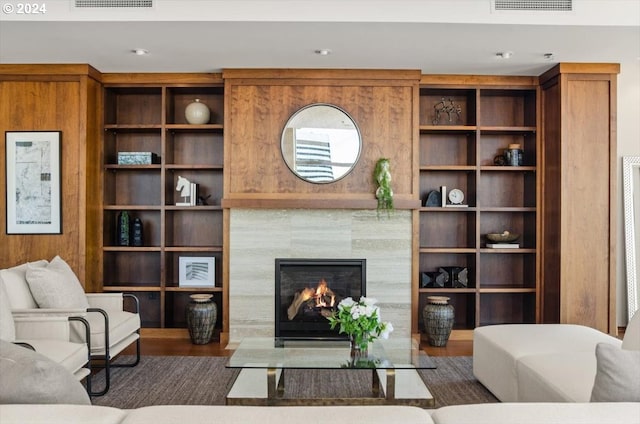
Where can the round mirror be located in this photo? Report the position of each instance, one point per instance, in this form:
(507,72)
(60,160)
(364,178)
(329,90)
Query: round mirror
(321,143)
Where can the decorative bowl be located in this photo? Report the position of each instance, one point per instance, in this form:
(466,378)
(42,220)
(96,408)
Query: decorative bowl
(504,237)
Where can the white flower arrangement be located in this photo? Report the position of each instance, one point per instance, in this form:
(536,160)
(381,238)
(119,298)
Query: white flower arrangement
(360,321)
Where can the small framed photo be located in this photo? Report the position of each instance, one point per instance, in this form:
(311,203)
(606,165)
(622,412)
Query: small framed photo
(33,187)
(197,271)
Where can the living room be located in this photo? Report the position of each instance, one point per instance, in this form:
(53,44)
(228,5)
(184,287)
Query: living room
(257,201)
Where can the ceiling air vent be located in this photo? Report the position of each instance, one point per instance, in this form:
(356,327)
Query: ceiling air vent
(540,5)
(114,3)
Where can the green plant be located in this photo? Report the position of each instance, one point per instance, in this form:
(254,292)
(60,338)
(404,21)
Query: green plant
(384,193)
(360,321)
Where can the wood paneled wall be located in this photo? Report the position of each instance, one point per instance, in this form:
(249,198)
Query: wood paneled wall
(579,165)
(258,105)
(57,98)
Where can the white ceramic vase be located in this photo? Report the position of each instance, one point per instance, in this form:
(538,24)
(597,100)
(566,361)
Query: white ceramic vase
(197,113)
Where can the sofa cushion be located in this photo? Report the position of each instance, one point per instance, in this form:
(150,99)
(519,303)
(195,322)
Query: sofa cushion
(28,377)
(617,376)
(56,286)
(15,280)
(498,348)
(60,414)
(556,377)
(168,414)
(536,413)
(7,327)
(631,340)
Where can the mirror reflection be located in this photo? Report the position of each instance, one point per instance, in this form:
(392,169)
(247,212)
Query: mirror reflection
(321,143)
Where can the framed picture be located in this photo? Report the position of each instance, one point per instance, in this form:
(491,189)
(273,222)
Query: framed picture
(33,182)
(197,271)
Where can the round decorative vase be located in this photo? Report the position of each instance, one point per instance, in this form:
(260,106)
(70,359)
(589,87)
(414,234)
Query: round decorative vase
(197,113)
(438,318)
(202,313)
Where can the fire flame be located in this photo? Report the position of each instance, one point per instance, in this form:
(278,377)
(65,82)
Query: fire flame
(321,295)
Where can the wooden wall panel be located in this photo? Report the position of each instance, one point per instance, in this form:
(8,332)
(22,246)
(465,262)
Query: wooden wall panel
(579,187)
(36,102)
(257,111)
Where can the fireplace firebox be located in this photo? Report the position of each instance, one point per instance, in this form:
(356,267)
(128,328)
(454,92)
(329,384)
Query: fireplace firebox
(308,290)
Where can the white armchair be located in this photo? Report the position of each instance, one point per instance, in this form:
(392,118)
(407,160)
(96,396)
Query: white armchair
(49,336)
(52,289)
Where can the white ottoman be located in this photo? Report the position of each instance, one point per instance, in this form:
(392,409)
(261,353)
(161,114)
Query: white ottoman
(497,350)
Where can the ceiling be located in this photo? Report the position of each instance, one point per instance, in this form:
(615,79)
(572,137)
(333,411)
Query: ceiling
(434,36)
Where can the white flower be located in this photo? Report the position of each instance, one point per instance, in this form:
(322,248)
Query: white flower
(356,311)
(369,301)
(387,328)
(346,302)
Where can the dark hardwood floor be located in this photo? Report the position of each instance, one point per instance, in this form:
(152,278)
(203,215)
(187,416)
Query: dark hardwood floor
(184,347)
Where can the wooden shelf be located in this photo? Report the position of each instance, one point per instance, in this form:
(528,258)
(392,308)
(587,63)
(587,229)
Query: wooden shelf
(148,116)
(500,198)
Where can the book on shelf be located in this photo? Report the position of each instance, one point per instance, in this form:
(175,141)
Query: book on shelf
(503,245)
(443,195)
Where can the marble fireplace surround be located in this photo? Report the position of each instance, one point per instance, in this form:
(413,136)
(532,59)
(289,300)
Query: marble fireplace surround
(258,236)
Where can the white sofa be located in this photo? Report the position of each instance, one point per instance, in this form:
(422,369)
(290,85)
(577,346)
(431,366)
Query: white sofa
(547,363)
(522,413)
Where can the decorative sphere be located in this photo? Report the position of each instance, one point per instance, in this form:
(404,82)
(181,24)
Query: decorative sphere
(197,113)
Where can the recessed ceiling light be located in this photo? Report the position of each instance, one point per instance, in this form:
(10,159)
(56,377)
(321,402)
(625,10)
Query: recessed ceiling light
(140,52)
(323,52)
(504,55)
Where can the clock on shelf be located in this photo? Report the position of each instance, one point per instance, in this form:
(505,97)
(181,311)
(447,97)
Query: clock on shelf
(456,196)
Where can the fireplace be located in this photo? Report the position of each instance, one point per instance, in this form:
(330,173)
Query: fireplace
(307,290)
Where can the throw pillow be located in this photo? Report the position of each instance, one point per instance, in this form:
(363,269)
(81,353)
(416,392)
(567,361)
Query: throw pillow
(7,326)
(616,375)
(15,280)
(29,377)
(56,286)
(631,339)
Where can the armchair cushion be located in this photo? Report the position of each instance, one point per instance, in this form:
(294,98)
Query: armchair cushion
(56,286)
(15,280)
(7,327)
(28,377)
(122,324)
(616,375)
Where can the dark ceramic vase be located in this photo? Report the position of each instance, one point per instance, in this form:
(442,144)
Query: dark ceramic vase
(438,317)
(202,313)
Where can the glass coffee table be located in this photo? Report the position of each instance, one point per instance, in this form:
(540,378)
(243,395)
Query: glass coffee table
(394,365)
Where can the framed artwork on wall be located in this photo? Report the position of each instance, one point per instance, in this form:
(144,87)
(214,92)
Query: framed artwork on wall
(197,271)
(33,189)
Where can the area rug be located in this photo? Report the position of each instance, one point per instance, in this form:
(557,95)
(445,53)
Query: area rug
(204,380)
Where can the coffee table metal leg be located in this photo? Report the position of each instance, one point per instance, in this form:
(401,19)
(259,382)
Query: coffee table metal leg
(390,391)
(271,383)
(281,383)
(375,386)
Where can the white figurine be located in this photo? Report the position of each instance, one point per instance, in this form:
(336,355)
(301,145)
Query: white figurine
(184,187)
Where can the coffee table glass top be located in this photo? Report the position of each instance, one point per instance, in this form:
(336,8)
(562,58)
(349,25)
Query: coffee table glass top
(269,352)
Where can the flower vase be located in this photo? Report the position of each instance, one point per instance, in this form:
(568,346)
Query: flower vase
(438,316)
(359,349)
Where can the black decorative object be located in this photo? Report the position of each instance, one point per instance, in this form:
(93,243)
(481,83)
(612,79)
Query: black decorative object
(458,277)
(202,313)
(123,228)
(137,234)
(202,200)
(438,317)
(434,279)
(434,198)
